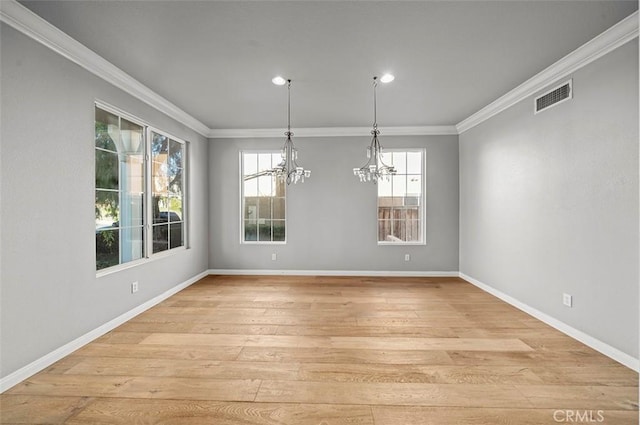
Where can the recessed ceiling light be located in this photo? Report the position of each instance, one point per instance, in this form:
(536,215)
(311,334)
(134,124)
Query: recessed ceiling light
(387,78)
(279,81)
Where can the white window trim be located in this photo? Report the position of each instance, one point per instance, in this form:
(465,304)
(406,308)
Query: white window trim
(148,242)
(241,191)
(149,191)
(423,205)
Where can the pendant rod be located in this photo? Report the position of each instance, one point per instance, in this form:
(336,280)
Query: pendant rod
(375,103)
(289,106)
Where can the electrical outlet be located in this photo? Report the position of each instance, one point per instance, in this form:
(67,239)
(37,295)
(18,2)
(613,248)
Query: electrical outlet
(407,257)
(274,256)
(134,287)
(567,300)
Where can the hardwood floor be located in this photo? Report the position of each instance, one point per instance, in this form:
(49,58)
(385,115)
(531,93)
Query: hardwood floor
(329,350)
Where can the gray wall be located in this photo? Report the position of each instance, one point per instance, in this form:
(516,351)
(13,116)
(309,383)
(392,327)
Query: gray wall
(331,218)
(549,203)
(50,293)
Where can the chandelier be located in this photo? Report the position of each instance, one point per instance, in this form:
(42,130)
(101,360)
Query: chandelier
(375,169)
(288,169)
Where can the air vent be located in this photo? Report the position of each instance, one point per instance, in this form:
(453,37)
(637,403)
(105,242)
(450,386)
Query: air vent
(554,97)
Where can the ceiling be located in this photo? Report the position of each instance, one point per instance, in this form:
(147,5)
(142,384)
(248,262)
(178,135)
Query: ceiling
(215,59)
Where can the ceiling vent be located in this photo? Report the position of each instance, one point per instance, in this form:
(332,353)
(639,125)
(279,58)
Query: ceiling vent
(554,97)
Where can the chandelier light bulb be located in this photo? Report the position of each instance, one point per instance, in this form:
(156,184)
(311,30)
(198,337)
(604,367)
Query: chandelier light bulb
(387,78)
(279,81)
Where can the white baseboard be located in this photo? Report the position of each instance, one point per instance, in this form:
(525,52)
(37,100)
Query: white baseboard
(596,344)
(49,359)
(365,273)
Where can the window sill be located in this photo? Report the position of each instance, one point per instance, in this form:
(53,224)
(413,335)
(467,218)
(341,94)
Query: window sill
(401,243)
(262,243)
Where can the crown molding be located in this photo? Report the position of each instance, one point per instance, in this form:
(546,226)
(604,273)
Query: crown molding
(331,132)
(22,19)
(619,34)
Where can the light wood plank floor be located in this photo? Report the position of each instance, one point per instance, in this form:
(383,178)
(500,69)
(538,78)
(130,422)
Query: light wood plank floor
(329,350)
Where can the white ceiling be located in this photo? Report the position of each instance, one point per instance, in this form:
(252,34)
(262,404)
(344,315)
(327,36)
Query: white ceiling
(215,59)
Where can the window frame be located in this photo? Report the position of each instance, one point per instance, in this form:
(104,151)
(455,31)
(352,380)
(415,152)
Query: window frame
(242,200)
(147,213)
(149,193)
(423,186)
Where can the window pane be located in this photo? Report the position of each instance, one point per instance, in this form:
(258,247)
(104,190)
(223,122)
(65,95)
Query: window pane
(251,187)
(413,213)
(107,170)
(133,174)
(278,230)
(106,125)
(414,185)
(175,184)
(107,248)
(107,209)
(414,162)
(384,213)
(160,179)
(132,246)
(251,230)
(265,186)
(264,161)
(398,231)
(160,237)
(278,209)
(131,138)
(160,209)
(384,187)
(159,147)
(384,229)
(175,209)
(264,230)
(385,202)
(400,162)
(398,214)
(175,154)
(414,233)
(175,235)
(249,163)
(132,210)
(280,187)
(250,208)
(264,207)
(399,182)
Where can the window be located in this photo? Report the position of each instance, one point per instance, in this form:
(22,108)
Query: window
(125,185)
(401,200)
(167,183)
(263,199)
(119,155)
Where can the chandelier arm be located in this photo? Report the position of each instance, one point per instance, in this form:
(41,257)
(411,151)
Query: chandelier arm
(375,169)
